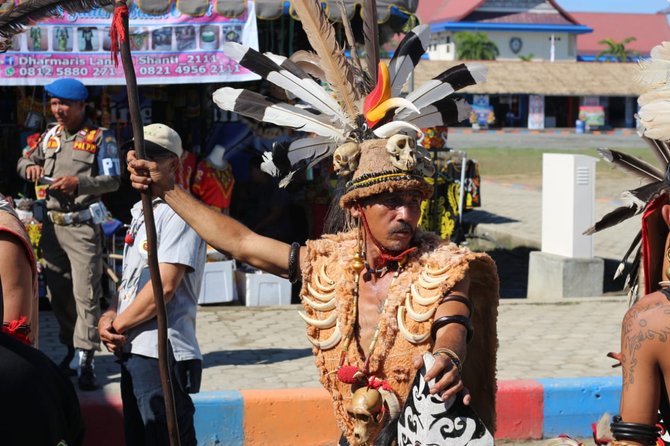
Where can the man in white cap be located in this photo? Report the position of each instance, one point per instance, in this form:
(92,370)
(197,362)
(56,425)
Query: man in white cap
(79,161)
(129,328)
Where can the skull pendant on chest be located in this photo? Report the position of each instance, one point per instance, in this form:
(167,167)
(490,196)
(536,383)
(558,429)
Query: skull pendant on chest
(367,411)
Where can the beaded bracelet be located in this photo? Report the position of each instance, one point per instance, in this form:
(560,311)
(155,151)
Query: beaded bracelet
(293,262)
(455,360)
(461,299)
(456,319)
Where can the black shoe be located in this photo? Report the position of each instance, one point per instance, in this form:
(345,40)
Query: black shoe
(65,363)
(87,379)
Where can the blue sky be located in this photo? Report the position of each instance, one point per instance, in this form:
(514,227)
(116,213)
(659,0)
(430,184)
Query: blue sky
(641,6)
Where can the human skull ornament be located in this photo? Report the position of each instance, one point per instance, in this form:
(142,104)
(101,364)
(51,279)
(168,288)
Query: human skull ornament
(366,411)
(401,148)
(345,158)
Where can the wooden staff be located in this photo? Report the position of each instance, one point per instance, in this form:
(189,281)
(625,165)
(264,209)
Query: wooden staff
(121,15)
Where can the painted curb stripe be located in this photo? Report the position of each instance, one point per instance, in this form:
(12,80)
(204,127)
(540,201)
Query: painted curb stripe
(572,404)
(219,418)
(519,410)
(299,416)
(526,409)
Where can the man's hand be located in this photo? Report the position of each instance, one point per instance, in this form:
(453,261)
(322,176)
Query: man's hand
(112,340)
(145,174)
(67,185)
(450,384)
(34,172)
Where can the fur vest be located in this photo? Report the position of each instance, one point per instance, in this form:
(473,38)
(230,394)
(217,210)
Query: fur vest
(329,261)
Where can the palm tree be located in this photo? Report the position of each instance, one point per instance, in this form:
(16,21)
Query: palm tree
(617,50)
(475,46)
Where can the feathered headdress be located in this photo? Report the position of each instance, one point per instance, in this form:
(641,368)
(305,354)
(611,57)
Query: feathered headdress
(653,121)
(348,101)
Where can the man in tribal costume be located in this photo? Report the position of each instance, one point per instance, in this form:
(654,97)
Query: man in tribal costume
(378,293)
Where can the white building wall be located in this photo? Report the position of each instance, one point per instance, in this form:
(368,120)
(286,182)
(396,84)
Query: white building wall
(536,43)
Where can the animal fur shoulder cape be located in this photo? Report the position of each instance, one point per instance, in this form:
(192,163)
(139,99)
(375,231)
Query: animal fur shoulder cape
(327,296)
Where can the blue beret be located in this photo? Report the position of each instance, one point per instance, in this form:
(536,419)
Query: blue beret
(68,89)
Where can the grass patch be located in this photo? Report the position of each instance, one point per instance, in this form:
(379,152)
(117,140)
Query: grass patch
(526,164)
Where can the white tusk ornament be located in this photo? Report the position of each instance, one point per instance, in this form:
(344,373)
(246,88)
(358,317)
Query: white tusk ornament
(419,317)
(429,283)
(329,343)
(322,273)
(321,296)
(411,337)
(425,301)
(437,271)
(321,287)
(320,323)
(320,306)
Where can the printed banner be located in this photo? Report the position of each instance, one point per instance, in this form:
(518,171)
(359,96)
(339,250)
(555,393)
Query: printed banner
(167,49)
(593,116)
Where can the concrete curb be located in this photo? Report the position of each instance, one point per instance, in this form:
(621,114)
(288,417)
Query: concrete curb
(527,410)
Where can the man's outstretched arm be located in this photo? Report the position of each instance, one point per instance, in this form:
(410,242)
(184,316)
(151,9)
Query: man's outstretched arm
(221,231)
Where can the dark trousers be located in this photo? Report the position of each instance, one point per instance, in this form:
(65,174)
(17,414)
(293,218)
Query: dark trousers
(144,416)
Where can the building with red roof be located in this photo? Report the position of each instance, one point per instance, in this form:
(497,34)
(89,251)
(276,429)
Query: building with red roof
(648,29)
(535,29)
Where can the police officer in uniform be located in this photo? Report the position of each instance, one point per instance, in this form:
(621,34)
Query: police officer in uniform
(80,162)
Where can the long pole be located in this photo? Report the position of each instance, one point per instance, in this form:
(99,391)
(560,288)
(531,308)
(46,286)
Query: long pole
(150,225)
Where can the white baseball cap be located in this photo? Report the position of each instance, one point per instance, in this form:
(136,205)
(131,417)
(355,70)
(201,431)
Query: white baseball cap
(163,136)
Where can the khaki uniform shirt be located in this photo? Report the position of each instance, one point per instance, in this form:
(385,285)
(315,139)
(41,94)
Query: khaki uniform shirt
(90,154)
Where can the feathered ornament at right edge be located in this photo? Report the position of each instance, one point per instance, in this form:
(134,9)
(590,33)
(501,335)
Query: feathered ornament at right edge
(653,121)
(343,101)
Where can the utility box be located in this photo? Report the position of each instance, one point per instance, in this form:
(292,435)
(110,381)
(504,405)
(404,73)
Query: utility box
(568,204)
(566,266)
(218,283)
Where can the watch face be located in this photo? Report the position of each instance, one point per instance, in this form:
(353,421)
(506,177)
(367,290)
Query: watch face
(515,44)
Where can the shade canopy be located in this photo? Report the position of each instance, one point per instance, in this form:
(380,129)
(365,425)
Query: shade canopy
(265,9)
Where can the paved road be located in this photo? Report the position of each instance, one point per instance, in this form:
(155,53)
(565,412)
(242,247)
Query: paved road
(265,347)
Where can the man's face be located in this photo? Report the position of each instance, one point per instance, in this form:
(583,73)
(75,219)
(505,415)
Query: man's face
(393,218)
(69,114)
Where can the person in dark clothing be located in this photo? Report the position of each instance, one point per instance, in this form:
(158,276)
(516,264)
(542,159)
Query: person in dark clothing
(40,406)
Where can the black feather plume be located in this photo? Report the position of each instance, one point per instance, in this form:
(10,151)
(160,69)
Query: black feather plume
(444,84)
(660,150)
(35,10)
(287,159)
(447,111)
(613,218)
(371,37)
(643,194)
(293,79)
(632,164)
(407,57)
(624,259)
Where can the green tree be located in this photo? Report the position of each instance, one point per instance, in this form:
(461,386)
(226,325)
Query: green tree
(475,46)
(617,50)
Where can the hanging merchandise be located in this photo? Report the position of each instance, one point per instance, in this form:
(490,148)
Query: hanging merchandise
(214,180)
(471,181)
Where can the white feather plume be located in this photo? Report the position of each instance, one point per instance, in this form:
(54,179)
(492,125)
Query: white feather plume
(655,118)
(653,95)
(255,106)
